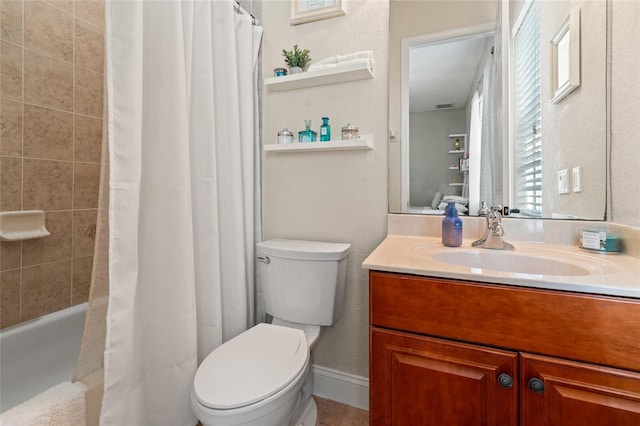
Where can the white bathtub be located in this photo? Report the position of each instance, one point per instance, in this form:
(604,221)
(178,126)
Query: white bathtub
(38,354)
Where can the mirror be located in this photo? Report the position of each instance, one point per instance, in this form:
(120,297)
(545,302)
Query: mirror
(456,78)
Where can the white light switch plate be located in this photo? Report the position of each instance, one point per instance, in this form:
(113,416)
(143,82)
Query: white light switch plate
(563,181)
(577,179)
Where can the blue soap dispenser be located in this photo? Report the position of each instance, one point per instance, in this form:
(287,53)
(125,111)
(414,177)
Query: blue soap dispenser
(451,226)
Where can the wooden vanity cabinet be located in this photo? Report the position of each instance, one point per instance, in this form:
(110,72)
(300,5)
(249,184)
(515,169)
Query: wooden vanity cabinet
(446,352)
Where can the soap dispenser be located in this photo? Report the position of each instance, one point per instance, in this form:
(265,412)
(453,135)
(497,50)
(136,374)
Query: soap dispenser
(451,226)
(325,130)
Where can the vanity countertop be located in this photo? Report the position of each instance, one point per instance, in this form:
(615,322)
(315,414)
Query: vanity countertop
(615,275)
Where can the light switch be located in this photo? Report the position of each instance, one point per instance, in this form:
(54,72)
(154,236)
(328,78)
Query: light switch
(563,181)
(577,179)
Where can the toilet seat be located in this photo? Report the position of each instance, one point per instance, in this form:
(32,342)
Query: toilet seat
(251,367)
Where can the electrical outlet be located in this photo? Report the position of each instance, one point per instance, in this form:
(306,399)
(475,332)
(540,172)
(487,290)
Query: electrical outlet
(577,179)
(563,181)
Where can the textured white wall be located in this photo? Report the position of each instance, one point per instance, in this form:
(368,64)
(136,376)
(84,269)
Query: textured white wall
(574,129)
(625,111)
(331,196)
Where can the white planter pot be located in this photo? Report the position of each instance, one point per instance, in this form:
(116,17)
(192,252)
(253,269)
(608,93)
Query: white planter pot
(295,70)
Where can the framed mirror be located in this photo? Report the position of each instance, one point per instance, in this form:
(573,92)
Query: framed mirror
(479,124)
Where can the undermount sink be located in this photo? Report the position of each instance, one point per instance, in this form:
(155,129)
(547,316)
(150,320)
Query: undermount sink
(510,262)
(531,261)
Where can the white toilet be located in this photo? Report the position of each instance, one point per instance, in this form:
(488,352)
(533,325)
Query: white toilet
(262,376)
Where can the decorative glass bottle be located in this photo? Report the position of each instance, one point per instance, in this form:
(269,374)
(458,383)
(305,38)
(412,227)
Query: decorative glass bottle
(325,130)
(307,135)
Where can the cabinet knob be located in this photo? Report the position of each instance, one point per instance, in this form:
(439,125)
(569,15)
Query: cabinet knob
(536,385)
(505,380)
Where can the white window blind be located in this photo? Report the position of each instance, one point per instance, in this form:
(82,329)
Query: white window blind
(528,128)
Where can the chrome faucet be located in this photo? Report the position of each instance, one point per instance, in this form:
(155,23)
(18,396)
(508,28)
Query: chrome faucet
(492,238)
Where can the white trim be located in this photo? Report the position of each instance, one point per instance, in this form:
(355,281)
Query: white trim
(342,387)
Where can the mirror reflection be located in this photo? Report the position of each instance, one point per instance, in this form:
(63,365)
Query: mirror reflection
(474,111)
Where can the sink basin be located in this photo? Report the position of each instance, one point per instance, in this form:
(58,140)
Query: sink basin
(510,262)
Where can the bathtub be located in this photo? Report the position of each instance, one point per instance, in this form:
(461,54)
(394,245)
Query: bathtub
(38,354)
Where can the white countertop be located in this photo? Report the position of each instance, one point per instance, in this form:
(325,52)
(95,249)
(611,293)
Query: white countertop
(615,275)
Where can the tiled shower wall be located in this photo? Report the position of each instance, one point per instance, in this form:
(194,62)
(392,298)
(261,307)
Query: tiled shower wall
(51,93)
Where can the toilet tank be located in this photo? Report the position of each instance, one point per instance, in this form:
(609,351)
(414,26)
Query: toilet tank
(303,281)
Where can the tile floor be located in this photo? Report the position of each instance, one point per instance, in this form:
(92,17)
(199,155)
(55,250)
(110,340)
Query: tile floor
(332,413)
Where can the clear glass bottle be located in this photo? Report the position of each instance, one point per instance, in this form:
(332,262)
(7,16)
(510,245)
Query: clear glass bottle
(451,226)
(307,135)
(325,130)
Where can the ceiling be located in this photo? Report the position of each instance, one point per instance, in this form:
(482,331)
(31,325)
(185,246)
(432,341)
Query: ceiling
(443,73)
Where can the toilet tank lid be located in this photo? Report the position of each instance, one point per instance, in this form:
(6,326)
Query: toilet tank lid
(305,250)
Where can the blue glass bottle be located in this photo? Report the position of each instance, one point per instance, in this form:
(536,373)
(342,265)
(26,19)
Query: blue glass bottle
(325,130)
(307,135)
(451,226)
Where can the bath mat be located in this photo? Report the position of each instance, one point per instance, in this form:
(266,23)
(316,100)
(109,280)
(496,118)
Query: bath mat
(61,405)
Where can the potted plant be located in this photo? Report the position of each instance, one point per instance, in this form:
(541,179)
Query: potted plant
(297,59)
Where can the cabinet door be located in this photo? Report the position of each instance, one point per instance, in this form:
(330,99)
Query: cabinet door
(417,380)
(572,393)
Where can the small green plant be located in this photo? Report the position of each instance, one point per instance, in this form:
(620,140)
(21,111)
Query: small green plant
(296,57)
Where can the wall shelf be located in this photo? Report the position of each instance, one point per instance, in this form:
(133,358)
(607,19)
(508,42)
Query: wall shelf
(365,142)
(359,71)
(459,151)
(455,184)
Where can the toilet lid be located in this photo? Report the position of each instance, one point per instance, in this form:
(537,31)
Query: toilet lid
(251,367)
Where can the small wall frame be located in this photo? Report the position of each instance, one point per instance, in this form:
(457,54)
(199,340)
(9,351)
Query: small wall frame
(565,57)
(303,11)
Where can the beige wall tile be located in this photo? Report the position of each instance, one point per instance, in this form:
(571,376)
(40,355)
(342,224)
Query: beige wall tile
(66,5)
(91,11)
(10,183)
(89,47)
(84,232)
(10,71)
(11,21)
(9,298)
(86,183)
(48,133)
(10,128)
(47,81)
(81,279)
(45,289)
(48,30)
(10,254)
(87,139)
(55,247)
(47,184)
(88,93)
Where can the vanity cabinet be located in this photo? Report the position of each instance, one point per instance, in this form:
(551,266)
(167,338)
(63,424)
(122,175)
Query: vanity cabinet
(464,353)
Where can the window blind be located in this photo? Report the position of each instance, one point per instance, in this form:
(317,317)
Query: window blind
(528,126)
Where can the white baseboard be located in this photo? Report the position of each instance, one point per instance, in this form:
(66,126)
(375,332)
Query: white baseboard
(342,387)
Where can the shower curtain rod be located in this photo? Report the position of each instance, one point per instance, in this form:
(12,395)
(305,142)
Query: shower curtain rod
(242,11)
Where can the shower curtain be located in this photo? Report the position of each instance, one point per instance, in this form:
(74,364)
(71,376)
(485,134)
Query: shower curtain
(181,97)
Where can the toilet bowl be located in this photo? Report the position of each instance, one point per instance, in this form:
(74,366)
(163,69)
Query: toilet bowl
(262,377)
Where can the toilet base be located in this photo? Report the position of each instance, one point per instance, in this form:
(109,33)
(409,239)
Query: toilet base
(309,416)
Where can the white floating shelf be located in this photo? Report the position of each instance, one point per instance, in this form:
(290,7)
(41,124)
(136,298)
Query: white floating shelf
(457,151)
(454,168)
(22,225)
(301,80)
(455,184)
(364,142)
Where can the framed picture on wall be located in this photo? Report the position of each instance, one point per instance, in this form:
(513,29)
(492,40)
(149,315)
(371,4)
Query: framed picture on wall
(565,57)
(313,10)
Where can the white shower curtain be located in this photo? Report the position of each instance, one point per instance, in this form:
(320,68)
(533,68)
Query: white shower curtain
(181,89)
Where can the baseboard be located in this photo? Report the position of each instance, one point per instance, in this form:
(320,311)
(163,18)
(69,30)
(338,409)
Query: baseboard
(342,387)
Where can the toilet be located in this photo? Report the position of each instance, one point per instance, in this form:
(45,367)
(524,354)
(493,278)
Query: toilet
(262,377)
